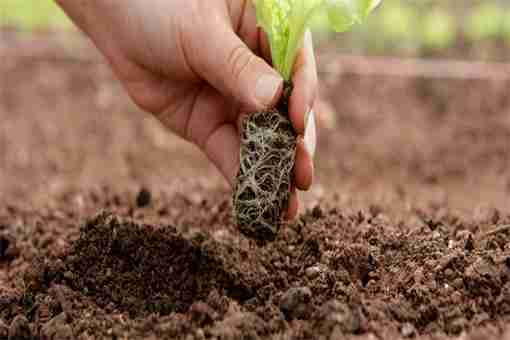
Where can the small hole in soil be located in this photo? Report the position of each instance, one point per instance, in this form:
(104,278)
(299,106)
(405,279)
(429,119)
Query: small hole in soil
(372,266)
(143,198)
(317,212)
(365,279)
(240,293)
(433,225)
(4,245)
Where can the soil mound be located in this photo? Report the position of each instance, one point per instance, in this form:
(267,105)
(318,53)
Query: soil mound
(144,269)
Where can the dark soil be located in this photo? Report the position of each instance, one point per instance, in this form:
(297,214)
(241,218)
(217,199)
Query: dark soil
(111,228)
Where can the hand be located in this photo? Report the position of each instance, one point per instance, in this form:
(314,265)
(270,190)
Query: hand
(198,66)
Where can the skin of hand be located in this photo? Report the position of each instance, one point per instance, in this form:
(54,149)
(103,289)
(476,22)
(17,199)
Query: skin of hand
(199,66)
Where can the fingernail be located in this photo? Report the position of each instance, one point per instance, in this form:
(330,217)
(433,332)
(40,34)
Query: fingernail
(267,88)
(306,117)
(310,137)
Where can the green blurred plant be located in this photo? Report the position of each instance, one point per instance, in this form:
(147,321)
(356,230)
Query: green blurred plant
(286,21)
(404,27)
(485,22)
(398,22)
(439,29)
(32,14)
(506,27)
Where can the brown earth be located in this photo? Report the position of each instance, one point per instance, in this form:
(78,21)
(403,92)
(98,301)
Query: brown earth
(405,233)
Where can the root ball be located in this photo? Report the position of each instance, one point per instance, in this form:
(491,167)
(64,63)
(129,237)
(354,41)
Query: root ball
(262,191)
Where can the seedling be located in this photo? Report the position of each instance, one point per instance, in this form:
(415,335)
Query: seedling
(268,140)
(486,22)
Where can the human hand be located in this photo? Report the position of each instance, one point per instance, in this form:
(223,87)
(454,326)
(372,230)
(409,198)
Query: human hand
(198,66)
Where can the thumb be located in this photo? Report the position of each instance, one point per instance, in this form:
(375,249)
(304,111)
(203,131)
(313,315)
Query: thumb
(234,70)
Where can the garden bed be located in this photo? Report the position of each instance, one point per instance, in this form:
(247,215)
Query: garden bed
(405,233)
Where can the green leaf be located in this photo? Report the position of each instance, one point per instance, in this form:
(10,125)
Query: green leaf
(286,21)
(399,22)
(342,15)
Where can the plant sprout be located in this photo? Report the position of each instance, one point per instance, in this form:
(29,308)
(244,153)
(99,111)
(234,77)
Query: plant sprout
(268,140)
(286,21)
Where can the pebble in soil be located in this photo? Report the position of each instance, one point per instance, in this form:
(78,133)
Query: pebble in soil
(8,248)
(19,329)
(294,302)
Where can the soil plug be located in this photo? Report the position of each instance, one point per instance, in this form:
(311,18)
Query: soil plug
(268,147)
(268,141)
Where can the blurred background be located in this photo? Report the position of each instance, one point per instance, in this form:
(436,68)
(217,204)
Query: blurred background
(414,108)
(440,28)
(478,29)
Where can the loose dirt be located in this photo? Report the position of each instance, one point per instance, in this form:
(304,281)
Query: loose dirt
(110,228)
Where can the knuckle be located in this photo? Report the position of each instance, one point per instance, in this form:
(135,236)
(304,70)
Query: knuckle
(147,101)
(239,61)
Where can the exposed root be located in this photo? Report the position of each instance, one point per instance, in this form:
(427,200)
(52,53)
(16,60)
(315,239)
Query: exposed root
(268,146)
